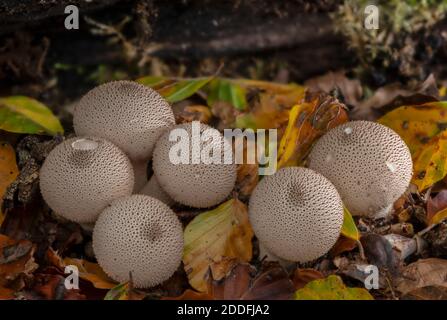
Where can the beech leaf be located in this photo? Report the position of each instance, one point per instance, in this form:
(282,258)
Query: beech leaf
(213,235)
(20,114)
(331,288)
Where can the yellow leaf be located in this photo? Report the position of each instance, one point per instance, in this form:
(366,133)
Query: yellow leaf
(271,107)
(307,122)
(417,124)
(8,171)
(331,288)
(349,229)
(213,235)
(124,291)
(91,272)
(430,163)
(21,114)
(438,217)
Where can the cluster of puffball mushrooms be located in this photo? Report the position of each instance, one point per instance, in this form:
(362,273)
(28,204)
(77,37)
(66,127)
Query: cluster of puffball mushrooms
(99,178)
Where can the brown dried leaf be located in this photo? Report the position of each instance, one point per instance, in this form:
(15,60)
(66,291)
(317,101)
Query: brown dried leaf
(91,272)
(343,244)
(423,273)
(16,258)
(8,171)
(350,89)
(194,113)
(436,204)
(301,277)
(427,293)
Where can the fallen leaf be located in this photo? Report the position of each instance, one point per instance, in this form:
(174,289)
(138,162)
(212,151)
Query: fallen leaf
(423,273)
(437,208)
(349,229)
(379,252)
(350,89)
(175,90)
(272,282)
(308,120)
(16,260)
(8,171)
(191,295)
(124,291)
(222,90)
(21,114)
(343,244)
(426,293)
(395,95)
(417,124)
(430,163)
(194,113)
(52,287)
(331,288)
(212,235)
(269,104)
(301,277)
(91,272)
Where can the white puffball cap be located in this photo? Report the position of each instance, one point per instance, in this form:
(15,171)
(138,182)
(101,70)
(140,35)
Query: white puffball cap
(200,184)
(296,214)
(138,234)
(81,176)
(127,113)
(369,164)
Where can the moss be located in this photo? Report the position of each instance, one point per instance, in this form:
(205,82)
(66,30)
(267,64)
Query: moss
(403,46)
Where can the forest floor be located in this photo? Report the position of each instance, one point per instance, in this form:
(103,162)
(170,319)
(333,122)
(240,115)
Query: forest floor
(210,69)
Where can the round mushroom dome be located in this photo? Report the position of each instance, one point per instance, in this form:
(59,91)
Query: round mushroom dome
(193,171)
(369,164)
(141,235)
(81,176)
(296,214)
(127,113)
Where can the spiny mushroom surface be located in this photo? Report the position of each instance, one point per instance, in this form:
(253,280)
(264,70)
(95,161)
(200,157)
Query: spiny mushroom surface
(199,184)
(129,114)
(81,176)
(138,234)
(154,190)
(369,164)
(296,214)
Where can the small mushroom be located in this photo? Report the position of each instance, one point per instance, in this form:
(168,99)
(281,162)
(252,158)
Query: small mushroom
(154,190)
(138,235)
(369,164)
(81,176)
(195,182)
(296,214)
(130,115)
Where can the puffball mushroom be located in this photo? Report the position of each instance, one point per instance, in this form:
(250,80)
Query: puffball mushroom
(296,214)
(81,176)
(369,164)
(138,235)
(154,190)
(185,176)
(129,114)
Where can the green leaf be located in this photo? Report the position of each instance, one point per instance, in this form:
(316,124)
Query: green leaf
(349,229)
(21,114)
(174,90)
(331,288)
(154,81)
(232,93)
(119,292)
